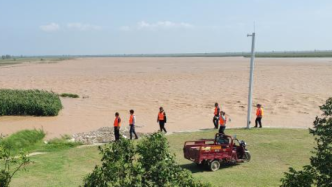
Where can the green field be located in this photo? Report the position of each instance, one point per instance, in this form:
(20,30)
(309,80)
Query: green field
(270,54)
(19,60)
(273,151)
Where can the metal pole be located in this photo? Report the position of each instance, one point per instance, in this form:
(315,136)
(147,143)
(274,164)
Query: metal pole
(252,62)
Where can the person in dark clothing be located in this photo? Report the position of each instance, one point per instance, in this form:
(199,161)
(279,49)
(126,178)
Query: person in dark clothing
(132,122)
(216,115)
(117,124)
(161,118)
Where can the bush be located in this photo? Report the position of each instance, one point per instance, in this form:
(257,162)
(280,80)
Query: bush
(69,95)
(23,139)
(319,172)
(29,102)
(147,164)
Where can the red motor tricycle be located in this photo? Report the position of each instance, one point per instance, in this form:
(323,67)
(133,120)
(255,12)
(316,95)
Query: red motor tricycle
(213,152)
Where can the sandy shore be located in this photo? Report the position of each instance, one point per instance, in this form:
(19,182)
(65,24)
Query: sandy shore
(290,90)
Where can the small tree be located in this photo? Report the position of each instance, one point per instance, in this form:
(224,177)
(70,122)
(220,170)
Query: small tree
(119,169)
(147,164)
(319,172)
(160,166)
(6,173)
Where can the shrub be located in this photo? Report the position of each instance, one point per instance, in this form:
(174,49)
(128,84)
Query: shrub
(29,102)
(147,164)
(69,95)
(319,172)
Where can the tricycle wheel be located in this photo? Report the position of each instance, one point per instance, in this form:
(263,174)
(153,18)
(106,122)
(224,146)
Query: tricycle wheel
(214,165)
(247,156)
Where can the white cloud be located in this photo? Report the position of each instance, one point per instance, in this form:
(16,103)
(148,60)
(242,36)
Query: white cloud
(163,25)
(50,27)
(158,26)
(83,26)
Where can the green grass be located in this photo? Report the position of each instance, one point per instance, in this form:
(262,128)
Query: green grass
(32,141)
(19,60)
(29,102)
(69,95)
(272,150)
(59,144)
(23,140)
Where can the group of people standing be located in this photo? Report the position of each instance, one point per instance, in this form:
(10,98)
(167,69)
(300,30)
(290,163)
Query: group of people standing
(161,119)
(220,118)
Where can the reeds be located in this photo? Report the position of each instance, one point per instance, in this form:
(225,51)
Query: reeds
(29,102)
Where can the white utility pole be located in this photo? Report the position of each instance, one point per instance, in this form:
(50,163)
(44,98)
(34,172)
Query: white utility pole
(252,63)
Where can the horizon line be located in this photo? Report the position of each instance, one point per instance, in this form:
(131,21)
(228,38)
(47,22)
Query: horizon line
(189,54)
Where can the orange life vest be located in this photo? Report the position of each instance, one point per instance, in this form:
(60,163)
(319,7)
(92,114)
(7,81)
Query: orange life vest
(131,119)
(222,122)
(259,112)
(116,122)
(161,116)
(216,111)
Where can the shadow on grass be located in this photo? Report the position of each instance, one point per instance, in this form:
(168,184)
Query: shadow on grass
(194,168)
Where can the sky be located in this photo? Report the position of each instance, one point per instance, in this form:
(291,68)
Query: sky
(99,27)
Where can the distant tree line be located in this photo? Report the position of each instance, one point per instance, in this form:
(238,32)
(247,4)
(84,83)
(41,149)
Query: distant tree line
(6,57)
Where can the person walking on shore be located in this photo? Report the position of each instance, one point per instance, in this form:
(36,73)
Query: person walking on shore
(117,124)
(259,116)
(222,122)
(216,115)
(132,122)
(162,119)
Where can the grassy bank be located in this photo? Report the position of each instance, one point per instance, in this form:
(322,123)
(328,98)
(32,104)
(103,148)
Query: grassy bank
(29,102)
(26,140)
(293,54)
(270,54)
(33,141)
(273,151)
(19,60)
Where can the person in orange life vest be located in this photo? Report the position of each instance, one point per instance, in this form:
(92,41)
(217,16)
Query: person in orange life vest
(161,118)
(117,124)
(259,116)
(222,122)
(132,122)
(216,115)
